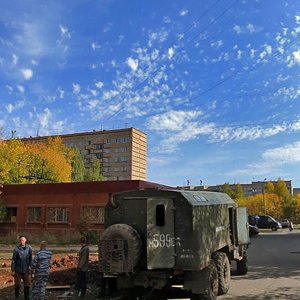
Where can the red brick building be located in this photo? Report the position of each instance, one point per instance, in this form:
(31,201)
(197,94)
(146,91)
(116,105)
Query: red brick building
(57,207)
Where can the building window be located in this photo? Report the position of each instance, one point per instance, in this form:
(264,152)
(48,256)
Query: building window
(58,214)
(107,159)
(93,214)
(121,169)
(106,150)
(99,146)
(34,214)
(124,158)
(121,149)
(11,215)
(122,140)
(110,141)
(106,169)
(99,155)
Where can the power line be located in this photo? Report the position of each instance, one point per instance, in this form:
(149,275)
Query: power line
(157,69)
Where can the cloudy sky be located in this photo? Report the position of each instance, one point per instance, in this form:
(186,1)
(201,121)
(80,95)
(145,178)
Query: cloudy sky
(214,83)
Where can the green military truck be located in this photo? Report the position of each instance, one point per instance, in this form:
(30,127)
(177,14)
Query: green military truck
(158,238)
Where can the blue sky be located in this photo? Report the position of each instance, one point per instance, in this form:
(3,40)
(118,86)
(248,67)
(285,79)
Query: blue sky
(214,84)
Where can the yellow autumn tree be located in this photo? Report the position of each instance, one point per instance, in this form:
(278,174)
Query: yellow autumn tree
(256,205)
(48,161)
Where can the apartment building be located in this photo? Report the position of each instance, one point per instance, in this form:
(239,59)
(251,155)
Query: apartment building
(249,189)
(122,152)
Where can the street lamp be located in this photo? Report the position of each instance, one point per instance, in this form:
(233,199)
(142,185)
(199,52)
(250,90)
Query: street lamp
(264,197)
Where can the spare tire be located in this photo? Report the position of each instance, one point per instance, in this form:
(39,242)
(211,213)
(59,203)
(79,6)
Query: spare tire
(125,232)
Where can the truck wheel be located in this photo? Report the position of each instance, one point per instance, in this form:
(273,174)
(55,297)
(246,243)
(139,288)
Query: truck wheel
(242,266)
(223,268)
(212,289)
(274,229)
(125,232)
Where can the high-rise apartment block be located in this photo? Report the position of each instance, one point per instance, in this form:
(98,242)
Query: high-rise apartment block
(122,152)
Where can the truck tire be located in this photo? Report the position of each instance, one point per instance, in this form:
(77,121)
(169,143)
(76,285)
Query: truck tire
(274,228)
(242,266)
(125,232)
(212,291)
(223,268)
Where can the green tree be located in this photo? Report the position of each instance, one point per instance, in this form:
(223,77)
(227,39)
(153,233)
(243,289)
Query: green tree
(93,172)
(281,190)
(78,168)
(238,192)
(2,206)
(226,188)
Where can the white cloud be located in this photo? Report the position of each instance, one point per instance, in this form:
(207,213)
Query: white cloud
(286,154)
(170,53)
(239,54)
(167,20)
(107,95)
(61,93)
(65,33)
(15,59)
(296,55)
(9,88)
(44,117)
(133,63)
(95,46)
(172,120)
(217,44)
(92,104)
(18,105)
(237,29)
(76,88)
(183,12)
(27,73)
(21,89)
(245,133)
(9,108)
(99,84)
(252,28)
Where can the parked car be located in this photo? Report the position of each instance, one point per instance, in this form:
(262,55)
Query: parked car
(253,230)
(284,223)
(268,222)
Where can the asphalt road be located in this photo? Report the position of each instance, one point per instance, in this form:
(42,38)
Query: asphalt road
(274,268)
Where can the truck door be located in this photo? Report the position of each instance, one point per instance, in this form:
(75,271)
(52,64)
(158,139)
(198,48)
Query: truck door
(242,226)
(160,233)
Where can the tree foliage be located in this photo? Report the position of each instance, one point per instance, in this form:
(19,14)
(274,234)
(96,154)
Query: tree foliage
(93,172)
(235,192)
(40,162)
(281,190)
(256,205)
(78,169)
(226,188)
(269,187)
(2,206)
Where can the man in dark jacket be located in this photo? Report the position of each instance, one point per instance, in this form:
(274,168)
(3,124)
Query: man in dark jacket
(82,267)
(20,267)
(40,265)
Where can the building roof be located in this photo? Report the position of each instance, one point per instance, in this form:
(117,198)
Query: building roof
(94,132)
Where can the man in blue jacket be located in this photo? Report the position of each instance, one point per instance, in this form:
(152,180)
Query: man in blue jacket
(20,267)
(40,265)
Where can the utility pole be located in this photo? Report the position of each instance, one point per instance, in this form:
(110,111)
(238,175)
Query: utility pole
(264,196)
